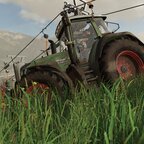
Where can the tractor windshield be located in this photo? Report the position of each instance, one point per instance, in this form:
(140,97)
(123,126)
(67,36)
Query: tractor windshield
(84,36)
(101,25)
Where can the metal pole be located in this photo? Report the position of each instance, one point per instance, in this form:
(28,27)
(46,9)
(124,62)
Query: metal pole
(74,2)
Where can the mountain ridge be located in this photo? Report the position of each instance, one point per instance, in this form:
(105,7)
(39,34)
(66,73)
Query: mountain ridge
(12,43)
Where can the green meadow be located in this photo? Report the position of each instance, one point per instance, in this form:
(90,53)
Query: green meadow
(104,115)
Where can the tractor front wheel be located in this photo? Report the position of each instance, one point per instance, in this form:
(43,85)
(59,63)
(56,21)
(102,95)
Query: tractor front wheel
(43,83)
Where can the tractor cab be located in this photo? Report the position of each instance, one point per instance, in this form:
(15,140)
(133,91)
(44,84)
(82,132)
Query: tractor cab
(82,31)
(85,31)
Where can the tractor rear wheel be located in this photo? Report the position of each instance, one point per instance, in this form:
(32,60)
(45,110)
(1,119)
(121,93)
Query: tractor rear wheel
(45,82)
(124,58)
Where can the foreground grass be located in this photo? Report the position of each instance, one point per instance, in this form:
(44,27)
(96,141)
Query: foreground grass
(105,116)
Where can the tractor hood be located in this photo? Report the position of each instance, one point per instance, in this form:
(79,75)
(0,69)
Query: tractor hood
(59,60)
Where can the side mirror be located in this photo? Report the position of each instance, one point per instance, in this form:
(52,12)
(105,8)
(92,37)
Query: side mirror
(112,27)
(53,46)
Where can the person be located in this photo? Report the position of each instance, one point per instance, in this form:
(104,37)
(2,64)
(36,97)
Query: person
(83,39)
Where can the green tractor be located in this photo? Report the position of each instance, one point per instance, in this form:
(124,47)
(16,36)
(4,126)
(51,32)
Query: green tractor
(92,54)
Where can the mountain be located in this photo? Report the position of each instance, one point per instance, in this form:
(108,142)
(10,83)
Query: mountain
(12,43)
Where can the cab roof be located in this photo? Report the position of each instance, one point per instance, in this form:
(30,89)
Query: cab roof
(86,16)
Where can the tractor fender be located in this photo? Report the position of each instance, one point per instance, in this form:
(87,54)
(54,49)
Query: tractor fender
(108,38)
(102,42)
(51,69)
(28,67)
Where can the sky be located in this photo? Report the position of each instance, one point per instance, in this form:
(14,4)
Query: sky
(30,16)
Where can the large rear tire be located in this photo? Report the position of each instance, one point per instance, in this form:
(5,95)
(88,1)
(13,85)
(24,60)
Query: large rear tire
(122,58)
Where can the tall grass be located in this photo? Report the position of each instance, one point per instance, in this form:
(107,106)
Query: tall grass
(106,115)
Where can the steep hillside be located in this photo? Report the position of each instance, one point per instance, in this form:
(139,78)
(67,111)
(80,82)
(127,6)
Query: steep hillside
(11,43)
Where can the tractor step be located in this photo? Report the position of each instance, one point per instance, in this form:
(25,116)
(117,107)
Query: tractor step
(85,67)
(92,79)
(89,73)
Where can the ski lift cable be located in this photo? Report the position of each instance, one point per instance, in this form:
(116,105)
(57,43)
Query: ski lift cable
(125,9)
(42,31)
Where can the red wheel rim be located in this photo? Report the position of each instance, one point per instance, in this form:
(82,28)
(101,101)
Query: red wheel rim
(128,64)
(40,87)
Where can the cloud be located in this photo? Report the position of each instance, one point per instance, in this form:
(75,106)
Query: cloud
(32,16)
(39,11)
(113,5)
(44,10)
(4,1)
(106,6)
